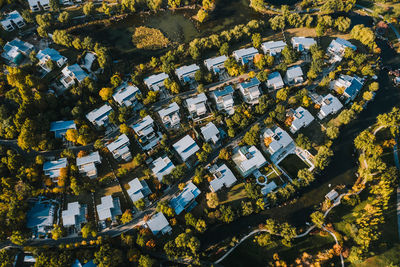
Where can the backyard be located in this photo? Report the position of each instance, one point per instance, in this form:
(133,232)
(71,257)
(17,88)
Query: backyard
(292,164)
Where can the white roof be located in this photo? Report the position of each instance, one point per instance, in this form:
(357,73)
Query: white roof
(186,147)
(279,139)
(124,91)
(275,46)
(330,104)
(268,188)
(162,166)
(214,61)
(99,112)
(306,42)
(301,118)
(222,176)
(332,195)
(210,132)
(93,157)
(275,79)
(245,52)
(134,191)
(184,70)
(193,101)
(108,208)
(249,158)
(146,121)
(69,215)
(158,223)
(294,72)
(338,45)
(121,141)
(172,108)
(155,78)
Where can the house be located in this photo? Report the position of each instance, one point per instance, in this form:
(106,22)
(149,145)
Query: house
(248,159)
(162,166)
(88,61)
(109,208)
(332,195)
(301,118)
(87,164)
(275,81)
(211,133)
(170,116)
(16,50)
(329,105)
(11,19)
(147,136)
(74,215)
(49,54)
(156,82)
(53,168)
(61,127)
(245,55)
(337,47)
(223,176)
(278,143)
(215,64)
(120,148)
(273,48)
(250,91)
(40,216)
(186,199)
(186,147)
(303,44)
(72,73)
(348,86)
(224,99)
(159,224)
(125,95)
(138,189)
(37,5)
(197,105)
(294,75)
(186,73)
(268,188)
(99,116)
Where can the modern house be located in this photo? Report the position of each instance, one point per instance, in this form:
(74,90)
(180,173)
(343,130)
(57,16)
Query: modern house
(156,82)
(197,106)
(109,208)
(211,133)
(50,54)
(348,86)
(74,215)
(250,91)
(120,148)
(224,99)
(126,95)
(159,224)
(170,116)
(72,73)
(275,81)
(301,118)
(248,159)
(337,47)
(329,105)
(215,64)
(303,44)
(87,164)
(11,20)
(88,60)
(53,168)
(16,50)
(147,136)
(138,189)
(40,217)
(186,199)
(162,166)
(37,5)
(245,55)
(278,143)
(223,176)
(99,116)
(294,75)
(186,73)
(186,147)
(61,127)
(273,48)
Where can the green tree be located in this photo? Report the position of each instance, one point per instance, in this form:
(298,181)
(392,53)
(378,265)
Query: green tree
(318,218)
(252,137)
(289,56)
(146,261)
(57,232)
(227,214)
(252,190)
(256,39)
(127,216)
(64,17)
(163,206)
(154,5)
(303,141)
(224,49)
(263,239)
(332,132)
(212,200)
(247,208)
(88,229)
(88,8)
(321,160)
(202,15)
(108,257)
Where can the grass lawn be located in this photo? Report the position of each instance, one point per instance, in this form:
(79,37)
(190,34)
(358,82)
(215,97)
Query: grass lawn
(315,134)
(292,164)
(233,195)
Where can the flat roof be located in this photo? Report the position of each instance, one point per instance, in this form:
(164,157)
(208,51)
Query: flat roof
(186,147)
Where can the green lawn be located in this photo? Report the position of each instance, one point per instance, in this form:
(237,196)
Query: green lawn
(233,195)
(292,164)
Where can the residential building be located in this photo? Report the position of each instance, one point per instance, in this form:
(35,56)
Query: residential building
(329,105)
(159,224)
(16,50)
(74,215)
(186,73)
(138,189)
(301,118)
(278,143)
(186,199)
(245,55)
(109,208)
(275,81)
(53,168)
(215,64)
(126,95)
(273,48)
(186,147)
(211,133)
(224,99)
(337,47)
(87,164)
(37,5)
(302,44)
(223,176)
(348,86)
(197,105)
(88,61)
(268,188)
(50,54)
(147,136)
(294,75)
(250,91)
(332,195)
(72,74)
(99,116)
(156,82)
(162,166)
(11,19)
(120,148)
(40,217)
(61,127)
(170,116)
(248,159)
